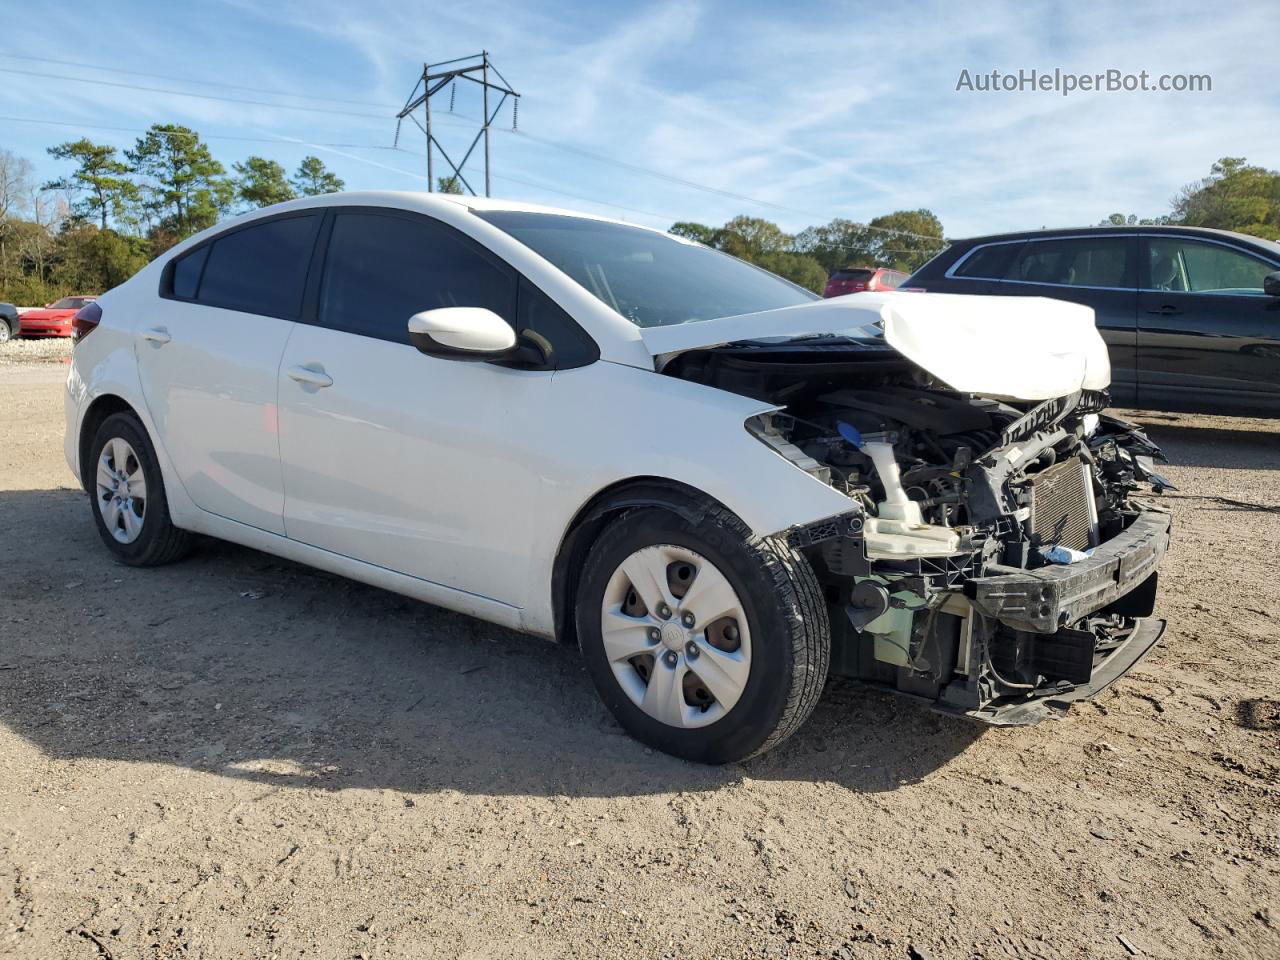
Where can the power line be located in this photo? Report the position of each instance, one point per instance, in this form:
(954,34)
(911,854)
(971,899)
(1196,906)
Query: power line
(202,83)
(196,136)
(185,93)
(693,184)
(374,146)
(570,148)
(528,183)
(345,146)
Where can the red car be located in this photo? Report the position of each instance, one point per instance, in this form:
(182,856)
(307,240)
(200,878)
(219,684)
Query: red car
(54,319)
(859,279)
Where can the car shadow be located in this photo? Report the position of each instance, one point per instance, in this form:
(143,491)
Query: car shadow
(237,663)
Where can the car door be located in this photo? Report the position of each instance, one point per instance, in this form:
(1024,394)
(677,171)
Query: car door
(421,465)
(1208,336)
(209,356)
(1096,270)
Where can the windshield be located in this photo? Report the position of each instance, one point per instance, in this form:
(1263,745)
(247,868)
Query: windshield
(650,278)
(69,303)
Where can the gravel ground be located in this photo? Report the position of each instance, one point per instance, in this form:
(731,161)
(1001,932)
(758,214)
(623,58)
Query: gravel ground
(35,350)
(236,756)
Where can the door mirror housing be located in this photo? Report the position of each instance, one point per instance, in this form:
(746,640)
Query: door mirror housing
(1271,284)
(462,333)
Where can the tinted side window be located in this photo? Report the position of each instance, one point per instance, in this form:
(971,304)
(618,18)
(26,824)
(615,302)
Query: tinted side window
(988,263)
(262,268)
(186,273)
(380,270)
(1077,262)
(571,345)
(1176,264)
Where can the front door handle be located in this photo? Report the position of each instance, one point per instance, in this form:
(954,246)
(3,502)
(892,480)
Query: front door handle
(1168,310)
(157,335)
(312,376)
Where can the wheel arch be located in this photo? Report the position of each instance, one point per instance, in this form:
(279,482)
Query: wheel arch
(607,505)
(102,406)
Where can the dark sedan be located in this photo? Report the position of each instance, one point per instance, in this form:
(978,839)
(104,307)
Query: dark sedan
(1191,316)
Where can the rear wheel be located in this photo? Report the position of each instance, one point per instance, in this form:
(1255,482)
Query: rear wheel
(704,642)
(5,332)
(127,494)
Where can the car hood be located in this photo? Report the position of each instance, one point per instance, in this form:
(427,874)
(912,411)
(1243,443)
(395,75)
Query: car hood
(1023,348)
(48,314)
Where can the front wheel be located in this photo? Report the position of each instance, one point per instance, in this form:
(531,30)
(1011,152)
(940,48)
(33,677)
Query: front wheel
(704,642)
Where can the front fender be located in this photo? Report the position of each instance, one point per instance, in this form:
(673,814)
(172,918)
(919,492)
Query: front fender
(609,423)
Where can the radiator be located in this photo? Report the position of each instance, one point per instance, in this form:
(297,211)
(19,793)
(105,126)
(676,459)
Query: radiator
(1062,507)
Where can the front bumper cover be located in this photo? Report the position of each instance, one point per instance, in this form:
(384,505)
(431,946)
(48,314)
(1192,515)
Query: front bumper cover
(1043,600)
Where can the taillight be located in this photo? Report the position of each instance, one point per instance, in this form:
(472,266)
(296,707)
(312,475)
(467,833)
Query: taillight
(85,321)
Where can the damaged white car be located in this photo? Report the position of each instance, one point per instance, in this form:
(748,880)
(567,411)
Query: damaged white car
(722,488)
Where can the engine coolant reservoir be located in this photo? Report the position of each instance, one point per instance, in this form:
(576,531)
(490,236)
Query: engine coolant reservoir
(898,530)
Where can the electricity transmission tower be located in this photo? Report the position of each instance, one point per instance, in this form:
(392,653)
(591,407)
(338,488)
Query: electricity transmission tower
(477,70)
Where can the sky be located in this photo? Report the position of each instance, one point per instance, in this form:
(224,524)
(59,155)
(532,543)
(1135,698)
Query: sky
(654,112)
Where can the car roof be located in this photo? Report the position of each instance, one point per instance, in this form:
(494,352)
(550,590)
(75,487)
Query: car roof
(1117,228)
(428,202)
(445,206)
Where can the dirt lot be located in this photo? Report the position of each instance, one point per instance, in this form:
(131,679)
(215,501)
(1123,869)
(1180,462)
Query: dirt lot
(236,756)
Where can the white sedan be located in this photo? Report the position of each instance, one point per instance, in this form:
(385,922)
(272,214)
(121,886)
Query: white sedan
(721,487)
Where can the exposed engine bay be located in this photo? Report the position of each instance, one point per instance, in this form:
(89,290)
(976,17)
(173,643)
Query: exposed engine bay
(993,558)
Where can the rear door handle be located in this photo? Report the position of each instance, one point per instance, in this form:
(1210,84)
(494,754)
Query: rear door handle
(157,335)
(312,376)
(1168,310)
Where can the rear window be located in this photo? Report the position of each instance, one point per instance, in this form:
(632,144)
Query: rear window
(987,263)
(257,269)
(1074,262)
(186,273)
(852,275)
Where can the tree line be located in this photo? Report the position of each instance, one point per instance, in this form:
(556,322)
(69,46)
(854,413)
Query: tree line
(903,241)
(117,210)
(1237,195)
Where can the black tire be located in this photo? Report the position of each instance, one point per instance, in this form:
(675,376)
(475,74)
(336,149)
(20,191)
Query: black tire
(159,541)
(7,332)
(787,619)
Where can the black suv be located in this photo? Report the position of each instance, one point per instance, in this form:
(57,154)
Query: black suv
(1191,316)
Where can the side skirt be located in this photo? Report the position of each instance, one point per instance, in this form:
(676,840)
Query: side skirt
(473,605)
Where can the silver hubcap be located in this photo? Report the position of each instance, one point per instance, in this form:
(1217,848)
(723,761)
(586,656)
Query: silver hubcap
(676,636)
(4,332)
(122,490)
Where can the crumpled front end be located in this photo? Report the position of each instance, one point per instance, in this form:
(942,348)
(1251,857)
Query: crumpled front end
(1000,568)
(996,557)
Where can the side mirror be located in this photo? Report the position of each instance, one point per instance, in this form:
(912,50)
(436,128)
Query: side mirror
(1271,284)
(462,333)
